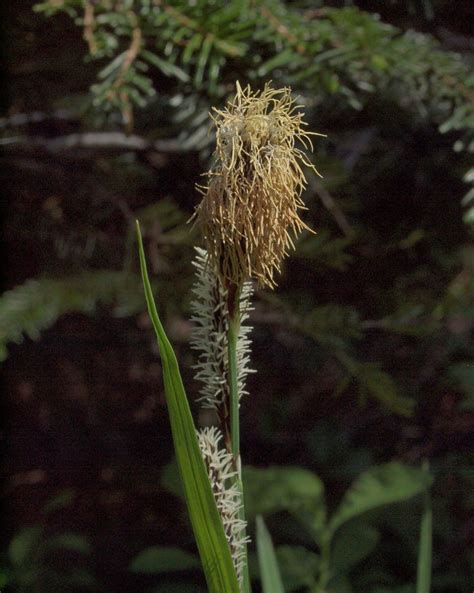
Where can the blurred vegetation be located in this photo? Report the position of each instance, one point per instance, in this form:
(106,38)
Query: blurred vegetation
(364,353)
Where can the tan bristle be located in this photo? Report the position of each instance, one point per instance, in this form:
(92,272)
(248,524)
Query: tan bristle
(249,215)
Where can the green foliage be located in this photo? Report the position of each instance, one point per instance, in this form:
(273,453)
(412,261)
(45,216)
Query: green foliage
(425,552)
(468,200)
(23,545)
(207,525)
(71,542)
(378,487)
(298,567)
(345,539)
(354,542)
(31,549)
(375,383)
(386,300)
(4,577)
(345,53)
(36,305)
(64,499)
(276,489)
(326,250)
(334,327)
(327,54)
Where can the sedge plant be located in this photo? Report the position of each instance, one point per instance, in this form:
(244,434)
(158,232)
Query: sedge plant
(249,218)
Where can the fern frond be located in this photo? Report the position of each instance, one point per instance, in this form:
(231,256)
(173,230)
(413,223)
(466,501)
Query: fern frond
(36,305)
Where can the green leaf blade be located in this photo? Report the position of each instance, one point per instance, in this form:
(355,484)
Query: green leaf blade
(352,544)
(205,519)
(269,571)
(273,489)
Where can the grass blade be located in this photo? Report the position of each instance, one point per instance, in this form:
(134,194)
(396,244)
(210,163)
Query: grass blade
(423,580)
(269,571)
(205,519)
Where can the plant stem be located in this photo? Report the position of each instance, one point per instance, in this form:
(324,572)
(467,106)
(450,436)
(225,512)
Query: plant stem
(232,338)
(233,334)
(246,576)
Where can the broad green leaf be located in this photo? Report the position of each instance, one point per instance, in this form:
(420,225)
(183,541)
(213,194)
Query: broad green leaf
(156,560)
(24,544)
(313,520)
(425,550)
(354,542)
(205,519)
(298,567)
(377,487)
(273,489)
(269,572)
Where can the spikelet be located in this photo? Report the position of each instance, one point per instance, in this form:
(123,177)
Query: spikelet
(220,464)
(249,215)
(209,336)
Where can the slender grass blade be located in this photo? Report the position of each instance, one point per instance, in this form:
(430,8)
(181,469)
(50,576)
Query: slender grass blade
(269,571)
(205,519)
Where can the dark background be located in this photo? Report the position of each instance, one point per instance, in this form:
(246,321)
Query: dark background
(364,351)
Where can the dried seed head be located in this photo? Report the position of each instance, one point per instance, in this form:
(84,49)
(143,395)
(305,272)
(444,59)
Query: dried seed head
(249,215)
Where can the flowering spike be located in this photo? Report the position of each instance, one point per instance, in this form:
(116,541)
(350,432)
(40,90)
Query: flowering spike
(210,337)
(250,210)
(220,468)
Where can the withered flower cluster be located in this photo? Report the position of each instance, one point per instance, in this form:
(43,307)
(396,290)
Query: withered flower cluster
(249,215)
